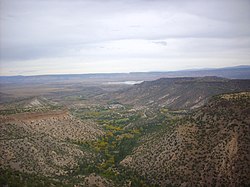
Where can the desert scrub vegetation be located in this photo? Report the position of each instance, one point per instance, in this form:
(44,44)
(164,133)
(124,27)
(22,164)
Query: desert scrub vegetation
(61,146)
(207,147)
(116,145)
(32,106)
(16,179)
(39,143)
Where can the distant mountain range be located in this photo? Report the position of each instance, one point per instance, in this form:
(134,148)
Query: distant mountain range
(237,72)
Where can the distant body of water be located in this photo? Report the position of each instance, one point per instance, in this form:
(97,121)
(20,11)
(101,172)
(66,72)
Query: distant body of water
(125,82)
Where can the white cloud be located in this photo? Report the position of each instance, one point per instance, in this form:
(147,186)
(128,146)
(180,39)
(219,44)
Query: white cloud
(113,35)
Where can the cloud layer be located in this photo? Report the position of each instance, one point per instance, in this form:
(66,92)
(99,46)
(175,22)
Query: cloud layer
(83,36)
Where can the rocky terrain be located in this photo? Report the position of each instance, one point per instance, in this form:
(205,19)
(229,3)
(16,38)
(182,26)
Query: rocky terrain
(167,132)
(209,148)
(179,93)
(60,125)
(95,180)
(28,105)
(43,142)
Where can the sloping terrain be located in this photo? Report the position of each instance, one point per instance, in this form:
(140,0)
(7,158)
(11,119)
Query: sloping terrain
(211,147)
(30,104)
(43,142)
(138,136)
(59,124)
(179,93)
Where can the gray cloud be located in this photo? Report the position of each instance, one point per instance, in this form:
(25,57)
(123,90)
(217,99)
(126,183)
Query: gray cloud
(36,30)
(163,43)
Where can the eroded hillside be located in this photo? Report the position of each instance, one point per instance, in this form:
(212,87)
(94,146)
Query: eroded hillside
(209,148)
(44,142)
(151,134)
(179,93)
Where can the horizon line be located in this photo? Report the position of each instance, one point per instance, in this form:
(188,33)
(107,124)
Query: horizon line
(156,71)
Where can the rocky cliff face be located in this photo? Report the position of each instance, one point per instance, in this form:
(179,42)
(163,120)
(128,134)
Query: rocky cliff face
(209,148)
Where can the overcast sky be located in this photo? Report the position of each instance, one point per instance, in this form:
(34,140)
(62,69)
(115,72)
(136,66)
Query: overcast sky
(89,36)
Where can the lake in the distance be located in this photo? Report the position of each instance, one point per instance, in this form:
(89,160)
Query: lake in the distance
(125,82)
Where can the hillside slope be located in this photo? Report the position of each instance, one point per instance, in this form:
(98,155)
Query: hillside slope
(44,142)
(211,147)
(179,93)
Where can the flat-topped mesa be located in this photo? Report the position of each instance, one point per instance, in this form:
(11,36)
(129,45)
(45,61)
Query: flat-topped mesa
(59,114)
